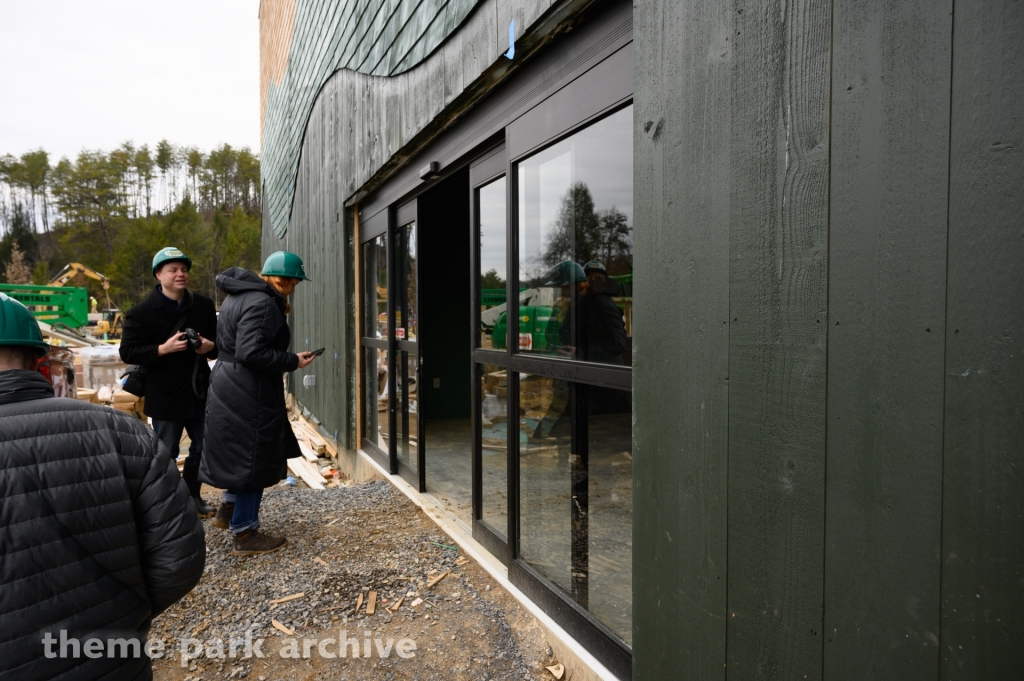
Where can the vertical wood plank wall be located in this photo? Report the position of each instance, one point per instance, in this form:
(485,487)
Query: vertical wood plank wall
(843,183)
(778,233)
(886,313)
(983,500)
(681,167)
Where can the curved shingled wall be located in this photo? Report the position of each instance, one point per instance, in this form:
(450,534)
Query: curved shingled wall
(374,37)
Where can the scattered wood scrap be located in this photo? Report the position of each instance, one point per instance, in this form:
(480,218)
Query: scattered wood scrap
(557,670)
(306,431)
(286,599)
(398,604)
(359,602)
(320,560)
(316,443)
(462,561)
(371,603)
(435,580)
(282,628)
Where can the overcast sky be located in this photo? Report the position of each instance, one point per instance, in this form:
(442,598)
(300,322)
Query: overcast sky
(91,74)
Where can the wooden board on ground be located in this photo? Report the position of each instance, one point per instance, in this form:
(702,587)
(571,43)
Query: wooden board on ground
(435,580)
(307,453)
(301,469)
(371,603)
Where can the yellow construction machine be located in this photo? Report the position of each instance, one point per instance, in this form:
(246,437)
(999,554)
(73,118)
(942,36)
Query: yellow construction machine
(109,322)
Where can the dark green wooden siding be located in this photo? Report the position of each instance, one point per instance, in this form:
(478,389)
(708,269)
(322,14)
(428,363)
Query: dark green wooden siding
(393,41)
(356,124)
(828,384)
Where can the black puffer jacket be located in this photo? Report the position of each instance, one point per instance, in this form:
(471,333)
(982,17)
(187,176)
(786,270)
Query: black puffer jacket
(248,437)
(97,532)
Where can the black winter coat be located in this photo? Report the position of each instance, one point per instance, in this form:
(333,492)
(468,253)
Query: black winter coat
(248,436)
(606,338)
(169,393)
(97,531)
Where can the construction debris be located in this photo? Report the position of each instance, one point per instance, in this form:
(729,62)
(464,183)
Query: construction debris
(283,629)
(371,603)
(301,469)
(433,582)
(496,638)
(557,670)
(287,598)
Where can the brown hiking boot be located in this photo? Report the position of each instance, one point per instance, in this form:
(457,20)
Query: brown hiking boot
(223,517)
(253,542)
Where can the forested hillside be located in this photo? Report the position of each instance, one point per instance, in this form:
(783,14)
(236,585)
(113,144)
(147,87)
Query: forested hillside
(113,210)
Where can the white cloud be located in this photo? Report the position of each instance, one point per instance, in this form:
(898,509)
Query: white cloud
(76,74)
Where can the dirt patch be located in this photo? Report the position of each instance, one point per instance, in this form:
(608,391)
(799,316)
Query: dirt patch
(343,544)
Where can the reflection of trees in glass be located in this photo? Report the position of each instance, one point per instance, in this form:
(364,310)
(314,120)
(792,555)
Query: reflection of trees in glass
(614,245)
(490,279)
(582,233)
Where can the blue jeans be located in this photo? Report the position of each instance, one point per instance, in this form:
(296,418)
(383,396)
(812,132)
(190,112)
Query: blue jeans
(169,432)
(246,515)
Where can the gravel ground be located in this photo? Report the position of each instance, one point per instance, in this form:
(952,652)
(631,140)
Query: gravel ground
(369,537)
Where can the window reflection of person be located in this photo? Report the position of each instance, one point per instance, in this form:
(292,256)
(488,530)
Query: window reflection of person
(569,277)
(605,329)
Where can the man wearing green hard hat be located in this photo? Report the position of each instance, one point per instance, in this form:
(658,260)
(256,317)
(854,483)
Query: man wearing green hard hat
(97,529)
(247,388)
(171,335)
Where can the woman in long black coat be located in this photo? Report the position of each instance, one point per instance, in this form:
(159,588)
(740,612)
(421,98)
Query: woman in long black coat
(248,437)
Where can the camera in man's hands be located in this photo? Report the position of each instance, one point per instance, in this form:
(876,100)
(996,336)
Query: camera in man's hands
(193,339)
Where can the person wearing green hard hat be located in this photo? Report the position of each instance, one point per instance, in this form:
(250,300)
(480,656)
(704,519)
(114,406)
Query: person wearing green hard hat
(98,532)
(20,334)
(284,264)
(247,388)
(168,255)
(570,278)
(171,335)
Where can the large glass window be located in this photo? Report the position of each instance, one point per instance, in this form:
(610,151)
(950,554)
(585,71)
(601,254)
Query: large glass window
(407,421)
(576,493)
(492,264)
(405,281)
(375,287)
(494,447)
(575,208)
(375,328)
(375,396)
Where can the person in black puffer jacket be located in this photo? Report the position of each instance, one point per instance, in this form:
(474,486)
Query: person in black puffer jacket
(248,437)
(98,533)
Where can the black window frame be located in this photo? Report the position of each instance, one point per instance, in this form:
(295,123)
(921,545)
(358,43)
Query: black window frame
(491,141)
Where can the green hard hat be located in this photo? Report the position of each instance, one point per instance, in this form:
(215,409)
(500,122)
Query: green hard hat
(594,266)
(566,272)
(19,327)
(170,254)
(284,264)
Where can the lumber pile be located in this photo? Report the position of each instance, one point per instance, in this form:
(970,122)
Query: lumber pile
(318,465)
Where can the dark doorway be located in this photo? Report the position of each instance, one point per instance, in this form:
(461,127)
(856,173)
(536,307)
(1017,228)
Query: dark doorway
(445,339)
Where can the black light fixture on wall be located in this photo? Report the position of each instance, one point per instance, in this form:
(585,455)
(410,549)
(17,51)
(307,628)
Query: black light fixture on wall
(431,171)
